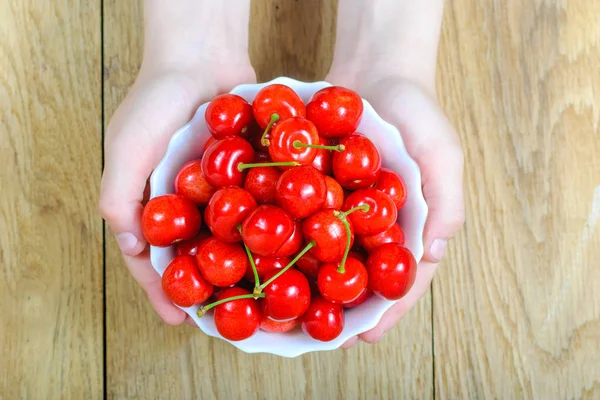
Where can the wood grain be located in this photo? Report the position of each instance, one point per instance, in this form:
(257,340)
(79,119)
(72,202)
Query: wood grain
(182,362)
(517,305)
(50,232)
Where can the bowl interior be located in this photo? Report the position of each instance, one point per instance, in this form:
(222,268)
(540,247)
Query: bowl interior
(187,143)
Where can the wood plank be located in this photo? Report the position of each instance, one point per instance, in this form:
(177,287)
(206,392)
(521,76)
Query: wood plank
(517,305)
(51,235)
(182,362)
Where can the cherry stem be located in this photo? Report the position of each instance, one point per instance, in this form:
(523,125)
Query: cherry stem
(342,216)
(254,270)
(204,309)
(277,275)
(299,145)
(362,207)
(263,139)
(243,166)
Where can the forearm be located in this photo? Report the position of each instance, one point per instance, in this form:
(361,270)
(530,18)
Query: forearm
(389,36)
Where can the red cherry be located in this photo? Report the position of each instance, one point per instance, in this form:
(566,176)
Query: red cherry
(183,284)
(225,212)
(323,157)
(222,264)
(308,264)
(190,247)
(358,254)
(358,165)
(191,183)
(301,191)
(210,141)
(364,296)
(260,157)
(277,99)
(293,244)
(237,319)
(261,182)
(328,232)
(393,185)
(170,218)
(336,111)
(335,194)
(220,163)
(270,325)
(392,271)
(265,265)
(290,141)
(228,115)
(323,320)
(379,217)
(255,134)
(342,287)
(288,296)
(266,229)
(391,235)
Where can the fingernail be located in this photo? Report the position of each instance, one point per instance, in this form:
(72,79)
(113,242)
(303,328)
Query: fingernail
(127,242)
(438,248)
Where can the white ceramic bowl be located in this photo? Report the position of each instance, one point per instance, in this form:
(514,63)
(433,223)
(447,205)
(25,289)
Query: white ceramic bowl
(186,144)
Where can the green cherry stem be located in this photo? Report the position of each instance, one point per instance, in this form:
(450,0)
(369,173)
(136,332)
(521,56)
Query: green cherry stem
(363,207)
(204,309)
(243,166)
(307,248)
(299,145)
(254,270)
(263,139)
(342,216)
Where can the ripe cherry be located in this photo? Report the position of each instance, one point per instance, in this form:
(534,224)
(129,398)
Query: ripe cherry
(221,162)
(393,185)
(342,285)
(323,157)
(238,316)
(209,141)
(323,320)
(190,247)
(392,271)
(329,234)
(287,296)
(265,265)
(391,235)
(301,191)
(277,99)
(358,165)
(266,229)
(336,111)
(260,157)
(293,244)
(191,183)
(290,140)
(169,219)
(378,212)
(272,326)
(228,115)
(335,194)
(183,283)
(309,265)
(222,264)
(225,212)
(261,182)
(364,296)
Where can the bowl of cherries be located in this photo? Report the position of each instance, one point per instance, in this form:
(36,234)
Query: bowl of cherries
(286,217)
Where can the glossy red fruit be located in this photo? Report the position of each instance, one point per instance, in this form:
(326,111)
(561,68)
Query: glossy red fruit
(358,165)
(221,160)
(277,99)
(222,264)
(358,254)
(323,320)
(209,141)
(308,264)
(393,185)
(336,111)
(237,319)
(329,234)
(392,271)
(228,115)
(266,229)
(342,287)
(380,217)
(288,296)
(190,247)
(335,194)
(264,266)
(323,158)
(364,296)
(391,235)
(169,219)
(293,244)
(183,283)
(261,182)
(226,210)
(260,157)
(270,325)
(286,137)
(301,191)
(191,183)
(255,134)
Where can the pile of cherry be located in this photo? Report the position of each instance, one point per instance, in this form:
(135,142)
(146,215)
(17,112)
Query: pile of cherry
(286,190)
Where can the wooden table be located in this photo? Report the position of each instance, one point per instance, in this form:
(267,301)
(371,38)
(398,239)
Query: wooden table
(514,311)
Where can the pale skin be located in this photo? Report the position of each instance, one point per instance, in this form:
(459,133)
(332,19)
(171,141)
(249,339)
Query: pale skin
(196,49)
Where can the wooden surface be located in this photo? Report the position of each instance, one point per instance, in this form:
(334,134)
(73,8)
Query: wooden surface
(515,308)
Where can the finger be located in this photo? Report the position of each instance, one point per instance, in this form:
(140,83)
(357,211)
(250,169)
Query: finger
(350,342)
(391,317)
